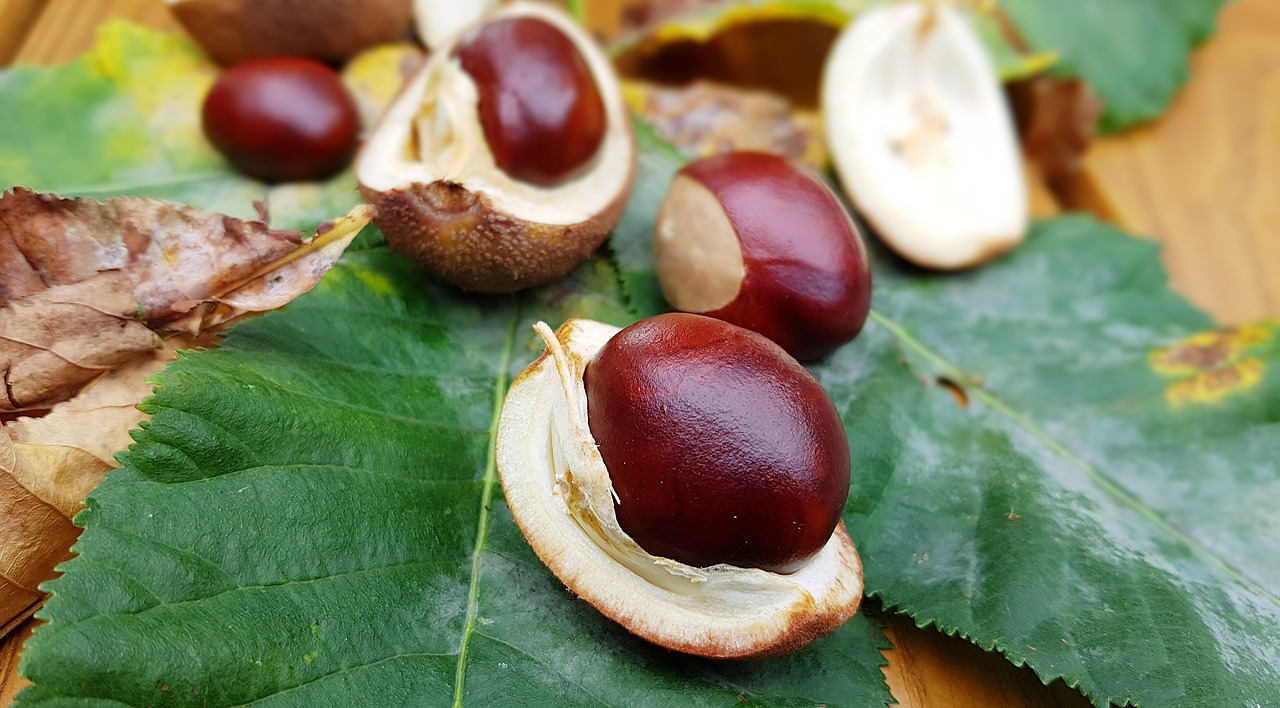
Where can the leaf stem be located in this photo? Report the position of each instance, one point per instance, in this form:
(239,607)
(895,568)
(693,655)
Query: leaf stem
(1119,493)
(486,495)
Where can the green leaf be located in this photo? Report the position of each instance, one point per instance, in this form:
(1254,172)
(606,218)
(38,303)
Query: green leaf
(1133,53)
(1103,506)
(312,517)
(125,119)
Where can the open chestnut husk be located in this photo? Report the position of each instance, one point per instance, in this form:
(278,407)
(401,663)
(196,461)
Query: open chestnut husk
(704,518)
(922,136)
(508,158)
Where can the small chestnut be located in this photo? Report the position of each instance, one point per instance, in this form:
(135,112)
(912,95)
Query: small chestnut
(542,114)
(749,238)
(721,447)
(686,477)
(282,119)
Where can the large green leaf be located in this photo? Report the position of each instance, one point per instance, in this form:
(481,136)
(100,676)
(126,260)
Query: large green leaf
(1133,53)
(311,516)
(1104,506)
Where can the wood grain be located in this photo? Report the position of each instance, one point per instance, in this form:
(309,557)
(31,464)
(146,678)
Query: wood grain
(16,19)
(1202,179)
(1205,178)
(10,682)
(66,28)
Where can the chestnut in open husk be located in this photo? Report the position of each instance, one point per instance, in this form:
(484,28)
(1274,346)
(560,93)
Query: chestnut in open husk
(508,158)
(686,477)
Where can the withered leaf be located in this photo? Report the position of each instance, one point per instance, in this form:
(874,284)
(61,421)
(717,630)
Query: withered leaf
(85,285)
(49,464)
(1056,119)
(705,118)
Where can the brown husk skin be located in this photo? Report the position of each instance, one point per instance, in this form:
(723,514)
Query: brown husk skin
(235,30)
(459,236)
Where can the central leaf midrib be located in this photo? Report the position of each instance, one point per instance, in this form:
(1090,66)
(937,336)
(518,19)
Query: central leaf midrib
(1108,485)
(486,495)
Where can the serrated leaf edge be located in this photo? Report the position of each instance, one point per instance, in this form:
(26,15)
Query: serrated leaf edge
(1118,492)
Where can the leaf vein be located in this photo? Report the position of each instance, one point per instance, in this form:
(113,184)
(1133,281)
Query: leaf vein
(482,526)
(1108,485)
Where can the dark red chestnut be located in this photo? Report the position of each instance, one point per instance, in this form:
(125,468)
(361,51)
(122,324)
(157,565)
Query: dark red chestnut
(539,106)
(720,447)
(751,239)
(282,119)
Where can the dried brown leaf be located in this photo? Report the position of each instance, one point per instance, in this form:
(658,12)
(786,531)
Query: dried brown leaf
(49,464)
(705,118)
(85,285)
(1057,118)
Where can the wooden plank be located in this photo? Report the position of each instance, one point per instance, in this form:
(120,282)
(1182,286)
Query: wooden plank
(1205,179)
(16,19)
(67,28)
(10,682)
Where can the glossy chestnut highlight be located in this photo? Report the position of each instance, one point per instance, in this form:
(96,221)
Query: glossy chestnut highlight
(721,448)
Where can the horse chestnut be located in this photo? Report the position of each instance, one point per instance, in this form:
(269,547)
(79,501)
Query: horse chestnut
(686,477)
(542,114)
(751,239)
(721,447)
(282,119)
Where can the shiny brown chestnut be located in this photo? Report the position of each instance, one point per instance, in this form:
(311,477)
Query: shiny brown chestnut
(720,446)
(751,239)
(724,449)
(282,119)
(538,104)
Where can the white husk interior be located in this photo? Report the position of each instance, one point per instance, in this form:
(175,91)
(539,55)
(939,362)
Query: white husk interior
(439,103)
(439,20)
(922,137)
(559,489)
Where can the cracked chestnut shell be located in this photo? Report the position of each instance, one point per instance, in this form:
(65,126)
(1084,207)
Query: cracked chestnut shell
(749,238)
(508,158)
(561,491)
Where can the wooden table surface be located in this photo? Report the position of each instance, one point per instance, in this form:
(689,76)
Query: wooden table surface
(1204,180)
